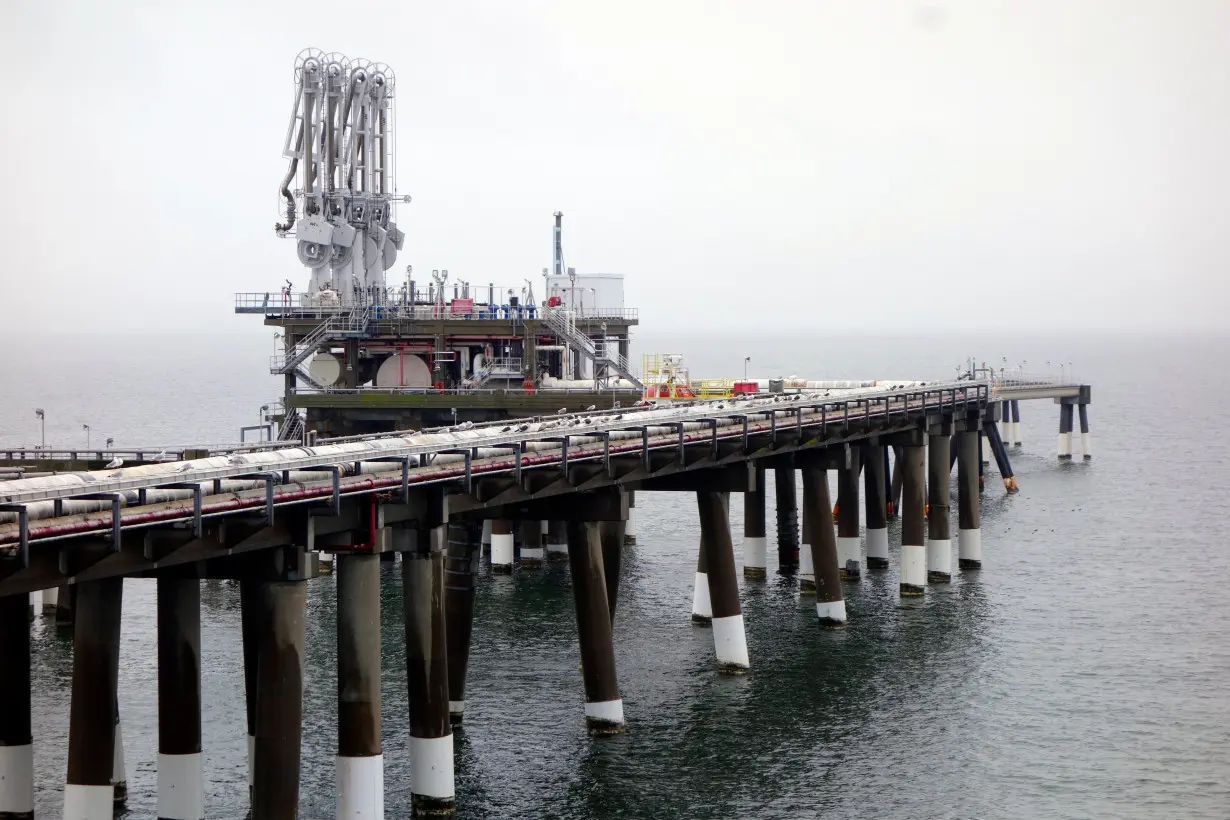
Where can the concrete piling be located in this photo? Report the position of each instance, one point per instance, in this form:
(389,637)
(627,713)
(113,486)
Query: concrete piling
(119,777)
(64,607)
(702,610)
(1016,423)
(849,551)
(50,596)
(817,506)
(611,534)
(939,538)
(913,543)
(485,541)
(729,638)
(629,525)
(460,569)
(969,534)
(250,606)
(755,547)
(1086,438)
(360,757)
(807,567)
(787,519)
(16,740)
(503,554)
(1001,460)
(876,507)
(895,484)
(557,542)
(533,549)
(280,636)
(1064,445)
(604,708)
(181,776)
(89,793)
(432,786)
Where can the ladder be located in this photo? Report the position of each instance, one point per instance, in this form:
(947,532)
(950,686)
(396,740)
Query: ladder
(604,362)
(345,326)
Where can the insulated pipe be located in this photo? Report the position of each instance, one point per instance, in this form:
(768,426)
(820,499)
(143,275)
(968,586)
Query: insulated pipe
(755,548)
(969,535)
(876,506)
(729,638)
(939,538)
(830,604)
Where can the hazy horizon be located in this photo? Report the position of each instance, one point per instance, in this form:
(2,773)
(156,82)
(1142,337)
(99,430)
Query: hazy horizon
(956,166)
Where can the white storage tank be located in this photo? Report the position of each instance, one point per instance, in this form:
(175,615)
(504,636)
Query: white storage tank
(325,369)
(403,370)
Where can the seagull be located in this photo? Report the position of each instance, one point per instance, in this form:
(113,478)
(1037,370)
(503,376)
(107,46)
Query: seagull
(183,468)
(561,411)
(161,454)
(591,408)
(506,429)
(115,462)
(235,458)
(523,428)
(115,474)
(616,405)
(620,416)
(465,425)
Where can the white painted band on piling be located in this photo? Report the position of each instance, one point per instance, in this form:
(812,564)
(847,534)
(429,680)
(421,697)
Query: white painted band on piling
(1016,433)
(939,555)
(877,544)
(502,550)
(251,760)
(486,537)
(700,596)
(986,450)
(431,766)
(807,568)
(50,598)
(456,707)
(914,565)
(118,775)
(848,550)
(326,558)
(557,548)
(1005,432)
(181,787)
(544,526)
(969,545)
(532,553)
(89,802)
(831,611)
(755,551)
(16,779)
(360,788)
(1064,445)
(730,641)
(610,711)
(629,529)
(1087,444)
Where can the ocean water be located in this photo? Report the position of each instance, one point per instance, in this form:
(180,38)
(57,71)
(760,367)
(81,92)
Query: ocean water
(1081,673)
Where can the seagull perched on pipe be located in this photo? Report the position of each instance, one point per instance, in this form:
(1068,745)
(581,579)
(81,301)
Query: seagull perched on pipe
(591,408)
(561,411)
(115,462)
(183,468)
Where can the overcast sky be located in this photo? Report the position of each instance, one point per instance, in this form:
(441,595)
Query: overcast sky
(786,166)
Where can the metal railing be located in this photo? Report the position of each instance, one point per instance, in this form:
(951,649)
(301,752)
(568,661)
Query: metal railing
(302,305)
(353,323)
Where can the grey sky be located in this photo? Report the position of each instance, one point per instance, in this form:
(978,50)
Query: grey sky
(794,166)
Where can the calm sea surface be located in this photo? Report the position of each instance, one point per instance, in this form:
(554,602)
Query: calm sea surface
(1082,673)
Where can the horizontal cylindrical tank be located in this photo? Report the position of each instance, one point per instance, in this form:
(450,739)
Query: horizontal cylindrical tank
(325,369)
(552,383)
(403,370)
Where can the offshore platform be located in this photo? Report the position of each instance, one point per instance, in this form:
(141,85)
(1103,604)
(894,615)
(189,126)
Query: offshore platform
(363,353)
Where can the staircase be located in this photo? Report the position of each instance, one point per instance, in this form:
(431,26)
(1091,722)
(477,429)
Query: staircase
(344,326)
(603,359)
(292,427)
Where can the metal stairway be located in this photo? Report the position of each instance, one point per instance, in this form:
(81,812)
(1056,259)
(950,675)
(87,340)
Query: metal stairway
(348,325)
(557,321)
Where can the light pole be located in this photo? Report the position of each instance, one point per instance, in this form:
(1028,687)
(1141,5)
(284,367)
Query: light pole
(110,442)
(86,427)
(42,420)
(746,359)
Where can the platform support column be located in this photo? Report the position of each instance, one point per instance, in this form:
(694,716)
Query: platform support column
(503,555)
(1064,445)
(250,606)
(360,758)
(895,484)
(88,792)
(939,537)
(181,777)
(1016,422)
(604,708)
(874,485)
(630,524)
(969,535)
(16,740)
(807,566)
(485,542)
(702,609)
(849,552)
(460,569)
(280,636)
(729,638)
(611,533)
(755,548)
(431,736)
(64,607)
(50,596)
(1086,438)
(557,542)
(533,549)
(787,519)
(913,542)
(818,508)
